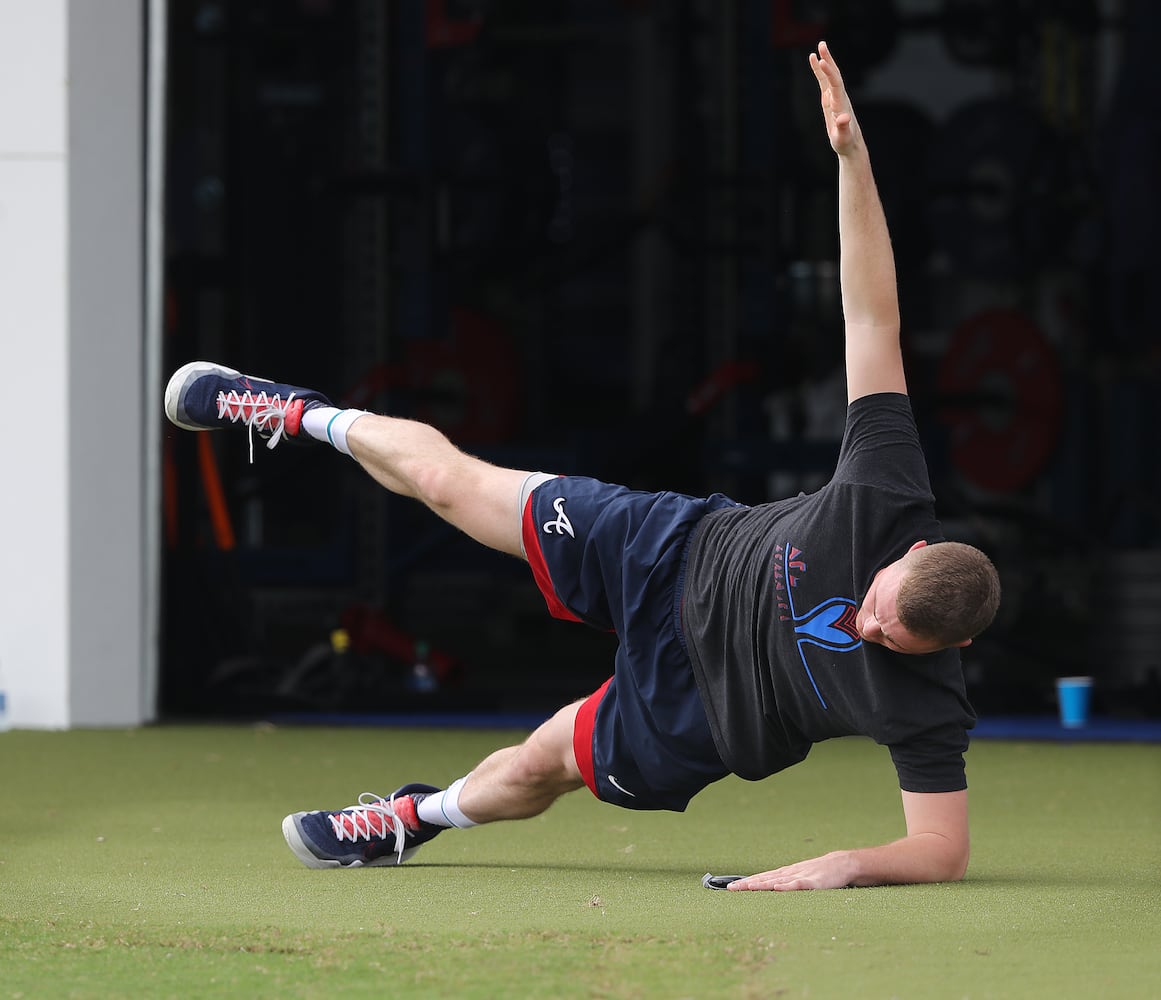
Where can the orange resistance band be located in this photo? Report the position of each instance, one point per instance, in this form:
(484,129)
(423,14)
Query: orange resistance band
(215,497)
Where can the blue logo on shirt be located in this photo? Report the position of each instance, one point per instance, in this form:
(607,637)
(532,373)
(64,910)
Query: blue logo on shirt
(830,624)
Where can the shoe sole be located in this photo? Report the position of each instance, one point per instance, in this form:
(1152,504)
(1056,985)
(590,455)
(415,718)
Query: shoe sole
(181,378)
(304,854)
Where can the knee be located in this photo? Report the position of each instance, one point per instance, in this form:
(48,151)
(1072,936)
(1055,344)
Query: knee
(545,768)
(437,470)
(436,485)
(533,770)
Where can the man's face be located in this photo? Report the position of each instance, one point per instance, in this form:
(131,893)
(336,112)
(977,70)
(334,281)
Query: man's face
(877,619)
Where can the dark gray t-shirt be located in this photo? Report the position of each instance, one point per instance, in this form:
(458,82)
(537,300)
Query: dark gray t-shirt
(768,613)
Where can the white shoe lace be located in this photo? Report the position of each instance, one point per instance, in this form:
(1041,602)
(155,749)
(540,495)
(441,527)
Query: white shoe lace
(266,413)
(368,820)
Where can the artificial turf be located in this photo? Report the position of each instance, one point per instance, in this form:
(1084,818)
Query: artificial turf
(150,862)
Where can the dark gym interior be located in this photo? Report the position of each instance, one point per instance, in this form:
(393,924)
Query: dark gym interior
(599,237)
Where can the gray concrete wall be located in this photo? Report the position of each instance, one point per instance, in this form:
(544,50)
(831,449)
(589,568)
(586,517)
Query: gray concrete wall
(105,361)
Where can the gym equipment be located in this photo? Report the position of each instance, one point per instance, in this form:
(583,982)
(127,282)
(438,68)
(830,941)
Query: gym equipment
(989,32)
(976,33)
(997,178)
(1002,400)
(468,384)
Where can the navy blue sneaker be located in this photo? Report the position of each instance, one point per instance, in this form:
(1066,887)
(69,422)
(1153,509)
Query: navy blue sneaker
(375,832)
(203,396)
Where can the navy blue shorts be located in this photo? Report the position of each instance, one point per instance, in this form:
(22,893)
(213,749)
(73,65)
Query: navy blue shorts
(614,559)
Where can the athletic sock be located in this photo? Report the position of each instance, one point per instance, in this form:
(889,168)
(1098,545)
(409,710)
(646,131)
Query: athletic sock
(443,808)
(330,424)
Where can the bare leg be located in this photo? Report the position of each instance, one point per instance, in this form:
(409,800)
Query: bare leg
(522,781)
(415,460)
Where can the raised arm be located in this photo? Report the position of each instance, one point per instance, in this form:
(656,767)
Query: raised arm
(936,849)
(874,361)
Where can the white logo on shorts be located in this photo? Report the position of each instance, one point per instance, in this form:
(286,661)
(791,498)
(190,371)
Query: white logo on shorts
(621,788)
(562,525)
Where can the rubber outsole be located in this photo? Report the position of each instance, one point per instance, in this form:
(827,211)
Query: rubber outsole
(304,854)
(186,374)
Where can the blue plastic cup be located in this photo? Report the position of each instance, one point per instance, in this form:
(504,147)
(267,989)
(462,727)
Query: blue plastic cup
(1073,694)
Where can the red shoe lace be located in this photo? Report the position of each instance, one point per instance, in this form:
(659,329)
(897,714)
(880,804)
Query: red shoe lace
(374,817)
(266,413)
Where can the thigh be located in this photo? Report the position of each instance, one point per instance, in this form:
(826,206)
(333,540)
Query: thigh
(553,744)
(600,552)
(416,460)
(486,504)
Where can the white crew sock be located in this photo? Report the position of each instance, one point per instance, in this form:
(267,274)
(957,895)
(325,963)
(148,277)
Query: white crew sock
(443,808)
(330,424)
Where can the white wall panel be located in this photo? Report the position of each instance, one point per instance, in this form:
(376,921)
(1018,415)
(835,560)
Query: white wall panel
(33,60)
(34,611)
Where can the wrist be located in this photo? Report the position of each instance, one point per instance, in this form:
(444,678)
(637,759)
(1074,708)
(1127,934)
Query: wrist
(848,865)
(855,155)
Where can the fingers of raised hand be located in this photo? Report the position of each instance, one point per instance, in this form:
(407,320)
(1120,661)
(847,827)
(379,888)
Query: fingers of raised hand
(829,65)
(834,101)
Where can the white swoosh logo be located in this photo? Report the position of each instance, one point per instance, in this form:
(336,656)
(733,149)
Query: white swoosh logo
(617,785)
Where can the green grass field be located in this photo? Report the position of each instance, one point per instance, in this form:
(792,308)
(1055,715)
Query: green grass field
(151,863)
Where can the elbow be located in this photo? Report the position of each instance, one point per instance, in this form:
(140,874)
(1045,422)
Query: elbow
(946,860)
(957,865)
(956,874)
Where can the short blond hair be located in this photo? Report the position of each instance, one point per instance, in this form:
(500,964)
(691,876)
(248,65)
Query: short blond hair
(950,593)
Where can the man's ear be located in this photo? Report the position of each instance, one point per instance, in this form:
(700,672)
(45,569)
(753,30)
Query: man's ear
(918,545)
(960,645)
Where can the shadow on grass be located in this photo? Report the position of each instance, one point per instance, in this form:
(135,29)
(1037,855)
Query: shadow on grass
(578,866)
(988,882)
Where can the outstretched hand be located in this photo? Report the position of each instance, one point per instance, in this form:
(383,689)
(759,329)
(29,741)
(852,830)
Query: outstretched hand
(841,127)
(831,871)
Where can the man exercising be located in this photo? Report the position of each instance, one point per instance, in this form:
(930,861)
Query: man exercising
(746,634)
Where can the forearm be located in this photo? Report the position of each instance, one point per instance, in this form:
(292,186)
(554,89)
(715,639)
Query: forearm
(923,857)
(866,260)
(867,265)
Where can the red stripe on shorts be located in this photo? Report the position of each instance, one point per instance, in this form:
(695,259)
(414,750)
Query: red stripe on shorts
(582,735)
(540,567)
